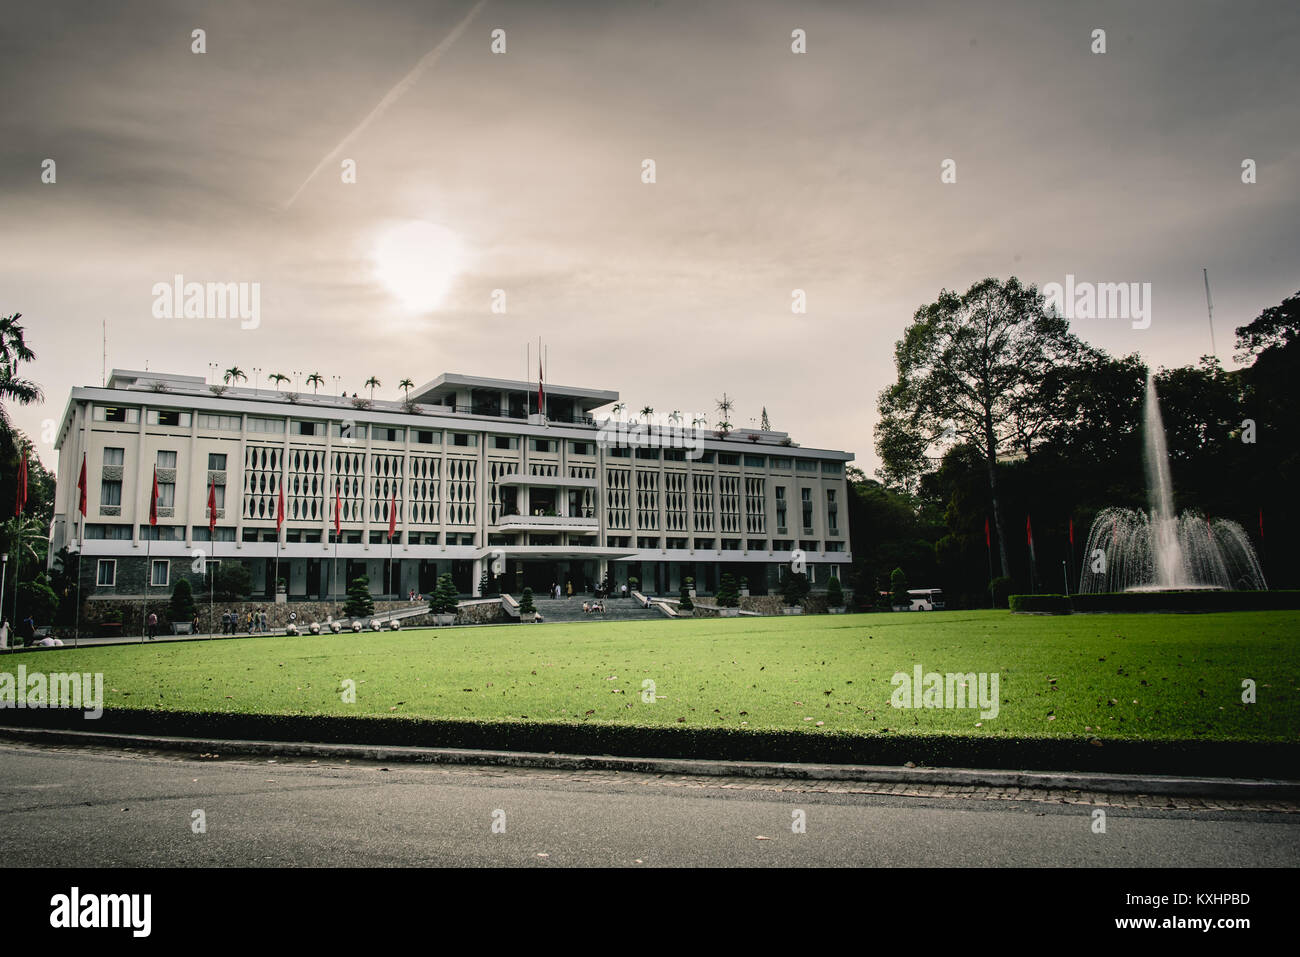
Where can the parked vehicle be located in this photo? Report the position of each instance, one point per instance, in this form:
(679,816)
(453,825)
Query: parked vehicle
(925,599)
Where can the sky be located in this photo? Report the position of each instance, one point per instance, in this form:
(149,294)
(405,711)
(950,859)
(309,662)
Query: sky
(522,171)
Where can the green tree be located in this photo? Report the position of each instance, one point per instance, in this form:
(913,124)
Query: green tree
(315,380)
(834,593)
(228,581)
(526,606)
(979,368)
(14,351)
(898,587)
(794,589)
(728,595)
(234,374)
(685,603)
(359,603)
(445,597)
(182,603)
(488,586)
(37,599)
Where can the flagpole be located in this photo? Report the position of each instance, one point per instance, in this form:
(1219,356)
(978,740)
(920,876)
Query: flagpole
(148,575)
(988,550)
(76,621)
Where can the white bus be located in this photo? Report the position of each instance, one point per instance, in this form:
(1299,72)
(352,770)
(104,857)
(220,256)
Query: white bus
(925,599)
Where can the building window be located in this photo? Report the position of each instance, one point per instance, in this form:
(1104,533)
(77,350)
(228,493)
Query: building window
(647,453)
(308,428)
(113,456)
(832,468)
(731,544)
(783,464)
(755,461)
(116,533)
(757,545)
(542,445)
(116,413)
(644,542)
(106,573)
(832,512)
(110,493)
(159,573)
(265,425)
(677,543)
(704,543)
(464,439)
(220,423)
(805,465)
(618,452)
(728,458)
(505,442)
(383,433)
(706,458)
(167,460)
(780,508)
(162,533)
(427,437)
(805,499)
(782,545)
(582,448)
(348,431)
(167,417)
(674,455)
(216,462)
(834,546)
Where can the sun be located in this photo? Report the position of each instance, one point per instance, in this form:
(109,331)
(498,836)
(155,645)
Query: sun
(417,261)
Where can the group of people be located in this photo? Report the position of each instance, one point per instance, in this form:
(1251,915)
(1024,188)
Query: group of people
(593,607)
(556,591)
(251,622)
(415,597)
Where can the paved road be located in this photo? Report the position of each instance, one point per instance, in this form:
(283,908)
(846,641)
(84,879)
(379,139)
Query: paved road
(103,808)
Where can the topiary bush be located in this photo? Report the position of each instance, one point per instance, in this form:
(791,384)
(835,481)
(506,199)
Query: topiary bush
(445,598)
(728,595)
(1000,589)
(359,603)
(898,587)
(526,606)
(794,589)
(685,604)
(182,603)
(834,593)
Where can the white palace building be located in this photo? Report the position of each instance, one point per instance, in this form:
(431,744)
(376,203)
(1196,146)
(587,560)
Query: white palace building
(476,477)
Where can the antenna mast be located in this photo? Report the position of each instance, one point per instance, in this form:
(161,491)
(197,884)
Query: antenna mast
(1209,306)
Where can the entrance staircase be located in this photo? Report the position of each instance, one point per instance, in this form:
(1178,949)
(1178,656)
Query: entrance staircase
(616,609)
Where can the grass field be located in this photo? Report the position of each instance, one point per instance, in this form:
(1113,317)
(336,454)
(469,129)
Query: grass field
(1157,677)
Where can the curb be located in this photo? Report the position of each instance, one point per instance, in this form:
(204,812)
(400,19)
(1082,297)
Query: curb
(1235,788)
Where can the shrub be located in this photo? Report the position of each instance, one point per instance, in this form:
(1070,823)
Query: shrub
(1043,604)
(359,603)
(182,605)
(228,581)
(488,586)
(1000,588)
(728,595)
(633,584)
(685,604)
(898,587)
(445,597)
(526,606)
(834,593)
(794,589)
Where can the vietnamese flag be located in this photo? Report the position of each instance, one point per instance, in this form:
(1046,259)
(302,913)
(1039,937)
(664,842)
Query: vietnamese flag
(153,499)
(1072,532)
(1029,531)
(279,509)
(1261,523)
(81,487)
(988,541)
(212,507)
(338,507)
(21,499)
(392,515)
(540,407)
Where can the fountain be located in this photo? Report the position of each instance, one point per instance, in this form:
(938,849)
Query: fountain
(1158,550)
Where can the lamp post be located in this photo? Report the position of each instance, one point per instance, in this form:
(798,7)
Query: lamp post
(256,372)
(4,571)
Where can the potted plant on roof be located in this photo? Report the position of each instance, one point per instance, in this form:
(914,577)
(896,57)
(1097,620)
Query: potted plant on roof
(444,601)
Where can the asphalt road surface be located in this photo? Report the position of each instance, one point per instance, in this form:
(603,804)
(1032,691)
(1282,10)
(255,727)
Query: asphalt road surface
(68,806)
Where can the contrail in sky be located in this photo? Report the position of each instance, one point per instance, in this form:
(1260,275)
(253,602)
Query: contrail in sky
(404,84)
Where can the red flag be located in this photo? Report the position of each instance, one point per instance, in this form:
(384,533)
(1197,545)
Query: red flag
(1261,523)
(81,487)
(153,499)
(338,506)
(988,541)
(392,514)
(1071,531)
(21,499)
(212,507)
(279,510)
(540,396)
(1029,531)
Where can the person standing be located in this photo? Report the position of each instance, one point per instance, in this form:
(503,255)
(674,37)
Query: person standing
(568,588)
(153,624)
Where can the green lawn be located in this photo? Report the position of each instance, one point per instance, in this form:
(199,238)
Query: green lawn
(1107,676)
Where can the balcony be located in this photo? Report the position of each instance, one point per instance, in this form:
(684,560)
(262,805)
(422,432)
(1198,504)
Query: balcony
(582,524)
(553,481)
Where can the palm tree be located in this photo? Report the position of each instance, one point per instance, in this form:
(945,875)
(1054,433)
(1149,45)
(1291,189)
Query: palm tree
(647,411)
(13,351)
(620,407)
(277,378)
(406,385)
(373,384)
(236,374)
(675,416)
(699,420)
(315,380)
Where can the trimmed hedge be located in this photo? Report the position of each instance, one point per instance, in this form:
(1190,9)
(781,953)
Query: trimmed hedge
(1199,600)
(1041,604)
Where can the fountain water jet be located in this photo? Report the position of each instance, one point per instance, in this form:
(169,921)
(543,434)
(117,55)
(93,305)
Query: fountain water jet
(1159,550)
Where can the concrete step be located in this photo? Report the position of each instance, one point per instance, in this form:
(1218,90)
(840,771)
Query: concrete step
(616,609)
